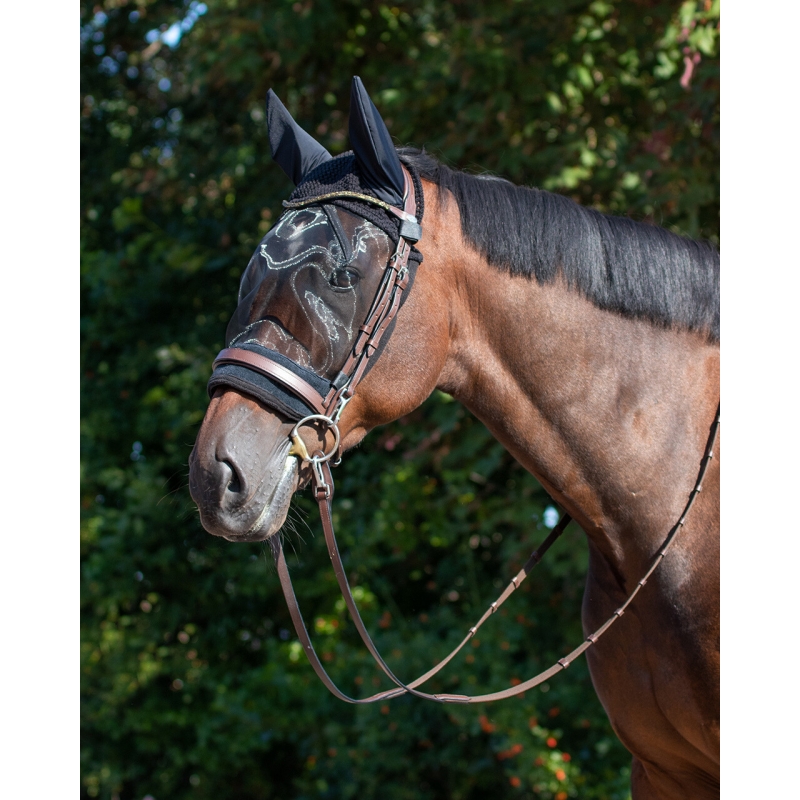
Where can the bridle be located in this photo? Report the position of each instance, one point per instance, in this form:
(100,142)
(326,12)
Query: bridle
(327,409)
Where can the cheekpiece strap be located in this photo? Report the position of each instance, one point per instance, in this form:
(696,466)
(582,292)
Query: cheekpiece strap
(385,305)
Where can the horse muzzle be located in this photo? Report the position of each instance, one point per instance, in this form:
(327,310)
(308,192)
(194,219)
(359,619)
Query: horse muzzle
(241,476)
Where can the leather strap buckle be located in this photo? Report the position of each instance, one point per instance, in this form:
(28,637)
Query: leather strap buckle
(322,489)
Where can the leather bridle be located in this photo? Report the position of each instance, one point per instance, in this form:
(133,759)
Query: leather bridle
(327,410)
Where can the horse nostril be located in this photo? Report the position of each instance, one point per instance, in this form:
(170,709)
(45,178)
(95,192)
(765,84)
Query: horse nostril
(234,484)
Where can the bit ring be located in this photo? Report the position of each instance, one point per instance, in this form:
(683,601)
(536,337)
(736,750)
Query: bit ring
(298,447)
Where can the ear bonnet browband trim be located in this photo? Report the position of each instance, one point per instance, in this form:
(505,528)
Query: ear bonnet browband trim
(355,195)
(410,229)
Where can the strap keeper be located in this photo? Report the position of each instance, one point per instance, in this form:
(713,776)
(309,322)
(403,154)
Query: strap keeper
(340,380)
(410,231)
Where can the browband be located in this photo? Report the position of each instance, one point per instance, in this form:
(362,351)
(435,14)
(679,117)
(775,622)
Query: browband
(404,216)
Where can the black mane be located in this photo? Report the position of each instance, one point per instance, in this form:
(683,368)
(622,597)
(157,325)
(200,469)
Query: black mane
(633,268)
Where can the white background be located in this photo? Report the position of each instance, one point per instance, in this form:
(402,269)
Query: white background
(39,464)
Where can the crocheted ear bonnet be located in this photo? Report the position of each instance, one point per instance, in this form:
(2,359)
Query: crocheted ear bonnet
(342,174)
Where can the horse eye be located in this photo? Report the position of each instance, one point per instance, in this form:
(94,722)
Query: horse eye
(344,278)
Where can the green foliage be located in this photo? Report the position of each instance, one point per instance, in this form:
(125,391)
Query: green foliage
(193,685)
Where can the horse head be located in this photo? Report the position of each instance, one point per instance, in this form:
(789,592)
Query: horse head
(303,300)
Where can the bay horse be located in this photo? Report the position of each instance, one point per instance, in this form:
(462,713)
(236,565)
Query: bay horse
(587,344)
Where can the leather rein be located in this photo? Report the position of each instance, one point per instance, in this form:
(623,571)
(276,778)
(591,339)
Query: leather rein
(328,409)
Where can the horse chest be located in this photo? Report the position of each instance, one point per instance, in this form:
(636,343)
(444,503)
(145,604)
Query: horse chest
(657,679)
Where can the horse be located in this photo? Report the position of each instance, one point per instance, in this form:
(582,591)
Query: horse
(587,344)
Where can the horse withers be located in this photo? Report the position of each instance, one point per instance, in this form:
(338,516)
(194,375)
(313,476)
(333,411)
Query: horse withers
(587,344)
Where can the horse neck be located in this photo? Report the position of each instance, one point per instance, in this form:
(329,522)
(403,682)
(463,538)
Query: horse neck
(611,414)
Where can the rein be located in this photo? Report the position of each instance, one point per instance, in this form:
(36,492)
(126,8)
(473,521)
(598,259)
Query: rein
(328,409)
(323,492)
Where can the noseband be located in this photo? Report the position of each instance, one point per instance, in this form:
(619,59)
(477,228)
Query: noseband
(326,402)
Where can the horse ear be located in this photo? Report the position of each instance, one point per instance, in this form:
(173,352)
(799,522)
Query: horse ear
(373,148)
(296,152)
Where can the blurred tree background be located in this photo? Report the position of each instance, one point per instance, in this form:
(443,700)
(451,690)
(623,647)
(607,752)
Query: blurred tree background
(193,683)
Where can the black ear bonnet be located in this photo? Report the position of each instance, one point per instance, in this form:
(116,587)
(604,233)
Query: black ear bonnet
(373,148)
(295,151)
(373,169)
